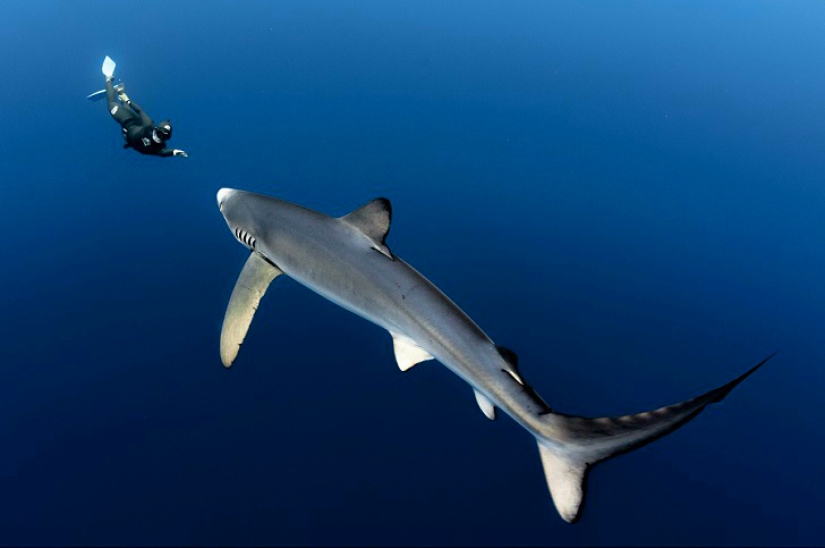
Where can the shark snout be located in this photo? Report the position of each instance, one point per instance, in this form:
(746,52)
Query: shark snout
(224,194)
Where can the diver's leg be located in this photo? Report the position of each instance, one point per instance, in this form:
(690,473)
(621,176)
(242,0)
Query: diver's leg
(120,112)
(110,93)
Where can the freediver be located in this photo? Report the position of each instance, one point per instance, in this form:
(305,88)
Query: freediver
(139,130)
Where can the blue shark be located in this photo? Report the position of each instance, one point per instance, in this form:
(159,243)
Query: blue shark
(347,260)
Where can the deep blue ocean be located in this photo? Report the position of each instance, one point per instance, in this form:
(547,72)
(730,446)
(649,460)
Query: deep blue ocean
(630,195)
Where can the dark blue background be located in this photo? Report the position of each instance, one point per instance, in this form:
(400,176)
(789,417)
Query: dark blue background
(628,194)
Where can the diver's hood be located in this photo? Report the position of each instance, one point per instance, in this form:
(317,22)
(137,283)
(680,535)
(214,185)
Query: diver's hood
(164,130)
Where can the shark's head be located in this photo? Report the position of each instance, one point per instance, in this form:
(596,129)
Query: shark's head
(236,212)
(267,225)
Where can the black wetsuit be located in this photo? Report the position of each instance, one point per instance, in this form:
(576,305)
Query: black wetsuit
(138,128)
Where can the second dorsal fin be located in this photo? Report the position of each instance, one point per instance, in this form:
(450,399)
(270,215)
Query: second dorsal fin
(512,360)
(373,221)
(508,355)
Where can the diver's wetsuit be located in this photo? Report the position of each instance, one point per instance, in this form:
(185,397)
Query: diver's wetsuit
(138,128)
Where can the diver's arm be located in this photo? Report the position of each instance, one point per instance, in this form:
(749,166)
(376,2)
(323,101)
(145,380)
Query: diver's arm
(173,152)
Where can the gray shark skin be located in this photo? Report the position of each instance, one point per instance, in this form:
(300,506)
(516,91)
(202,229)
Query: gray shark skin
(347,261)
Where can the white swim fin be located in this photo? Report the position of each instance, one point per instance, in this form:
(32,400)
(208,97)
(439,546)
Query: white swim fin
(108,67)
(98,95)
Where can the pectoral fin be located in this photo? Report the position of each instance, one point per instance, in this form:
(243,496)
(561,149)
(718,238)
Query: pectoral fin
(253,282)
(407,352)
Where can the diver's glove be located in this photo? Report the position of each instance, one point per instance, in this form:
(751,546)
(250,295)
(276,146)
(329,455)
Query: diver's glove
(178,152)
(123,97)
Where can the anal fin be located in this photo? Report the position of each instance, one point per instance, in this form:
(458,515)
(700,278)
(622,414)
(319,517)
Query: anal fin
(407,352)
(486,405)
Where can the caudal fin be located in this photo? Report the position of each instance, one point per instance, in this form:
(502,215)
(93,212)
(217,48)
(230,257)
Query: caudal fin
(569,446)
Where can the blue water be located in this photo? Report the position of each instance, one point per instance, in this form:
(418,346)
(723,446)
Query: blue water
(630,195)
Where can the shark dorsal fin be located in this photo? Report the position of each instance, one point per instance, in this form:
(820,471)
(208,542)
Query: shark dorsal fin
(373,221)
(508,355)
(252,283)
(512,360)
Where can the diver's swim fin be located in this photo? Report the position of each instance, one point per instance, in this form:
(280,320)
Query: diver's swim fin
(108,67)
(108,70)
(98,95)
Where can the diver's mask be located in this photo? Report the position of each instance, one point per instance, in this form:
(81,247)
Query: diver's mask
(164,130)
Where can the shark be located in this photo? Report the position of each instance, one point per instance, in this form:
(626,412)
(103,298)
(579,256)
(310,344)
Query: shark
(347,260)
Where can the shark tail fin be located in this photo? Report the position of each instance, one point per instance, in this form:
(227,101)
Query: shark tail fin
(569,446)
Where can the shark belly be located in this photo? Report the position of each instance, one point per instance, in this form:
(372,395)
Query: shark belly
(388,293)
(393,295)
